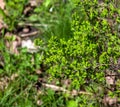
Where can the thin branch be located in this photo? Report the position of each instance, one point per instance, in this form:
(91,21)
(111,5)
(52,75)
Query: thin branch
(29,34)
(57,88)
(31,24)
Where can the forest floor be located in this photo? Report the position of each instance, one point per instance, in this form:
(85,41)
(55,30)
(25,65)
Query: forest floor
(23,37)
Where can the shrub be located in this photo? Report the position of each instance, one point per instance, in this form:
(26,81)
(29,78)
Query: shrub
(92,50)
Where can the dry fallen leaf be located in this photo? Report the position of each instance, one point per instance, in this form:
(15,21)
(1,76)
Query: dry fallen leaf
(14,44)
(29,45)
(13,76)
(110,77)
(4,81)
(2,4)
(110,101)
(35,2)
(39,102)
(110,80)
(38,71)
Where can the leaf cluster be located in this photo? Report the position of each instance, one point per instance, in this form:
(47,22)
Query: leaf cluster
(13,13)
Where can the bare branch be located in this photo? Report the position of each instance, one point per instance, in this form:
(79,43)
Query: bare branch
(57,88)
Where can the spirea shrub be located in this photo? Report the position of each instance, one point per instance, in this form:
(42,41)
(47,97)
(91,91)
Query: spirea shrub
(93,48)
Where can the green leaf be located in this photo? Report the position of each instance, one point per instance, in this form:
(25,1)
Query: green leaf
(33,77)
(2,14)
(33,18)
(47,2)
(72,103)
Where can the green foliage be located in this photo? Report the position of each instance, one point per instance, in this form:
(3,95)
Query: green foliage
(83,43)
(52,99)
(85,57)
(72,103)
(13,12)
(54,18)
(20,71)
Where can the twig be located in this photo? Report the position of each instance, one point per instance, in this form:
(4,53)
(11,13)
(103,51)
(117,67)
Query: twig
(57,88)
(29,34)
(30,24)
